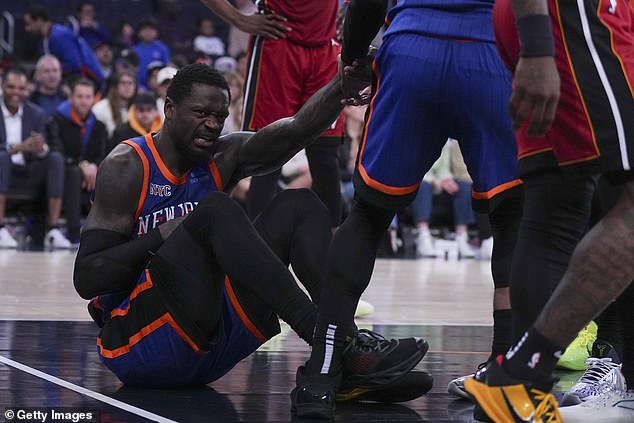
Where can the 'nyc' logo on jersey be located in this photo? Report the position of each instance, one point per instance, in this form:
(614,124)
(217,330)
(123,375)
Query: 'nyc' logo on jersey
(160,190)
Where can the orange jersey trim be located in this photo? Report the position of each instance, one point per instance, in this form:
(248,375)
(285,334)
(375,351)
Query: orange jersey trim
(146,177)
(533,153)
(243,316)
(214,172)
(137,290)
(137,337)
(161,164)
(487,195)
(364,174)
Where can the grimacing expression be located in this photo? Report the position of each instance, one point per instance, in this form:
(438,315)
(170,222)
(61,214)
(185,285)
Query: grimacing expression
(196,121)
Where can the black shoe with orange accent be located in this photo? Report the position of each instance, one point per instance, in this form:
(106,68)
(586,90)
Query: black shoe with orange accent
(408,387)
(369,361)
(505,399)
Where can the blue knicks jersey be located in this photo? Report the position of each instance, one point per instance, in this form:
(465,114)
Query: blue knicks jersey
(458,19)
(163,197)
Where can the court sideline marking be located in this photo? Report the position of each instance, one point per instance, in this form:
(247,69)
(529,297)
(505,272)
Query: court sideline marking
(81,390)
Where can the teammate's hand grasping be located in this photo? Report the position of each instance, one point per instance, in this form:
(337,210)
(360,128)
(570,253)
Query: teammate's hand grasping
(535,94)
(355,81)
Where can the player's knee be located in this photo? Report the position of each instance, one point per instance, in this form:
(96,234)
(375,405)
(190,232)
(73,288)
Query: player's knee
(304,203)
(216,206)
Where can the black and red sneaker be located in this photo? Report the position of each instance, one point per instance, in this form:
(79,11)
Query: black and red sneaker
(370,360)
(408,387)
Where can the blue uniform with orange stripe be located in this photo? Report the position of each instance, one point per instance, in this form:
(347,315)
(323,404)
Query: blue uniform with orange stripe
(141,341)
(437,76)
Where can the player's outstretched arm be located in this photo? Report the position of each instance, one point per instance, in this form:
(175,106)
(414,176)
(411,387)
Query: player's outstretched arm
(275,144)
(108,261)
(267,26)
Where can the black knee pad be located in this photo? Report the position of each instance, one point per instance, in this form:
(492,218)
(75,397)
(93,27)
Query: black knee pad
(505,221)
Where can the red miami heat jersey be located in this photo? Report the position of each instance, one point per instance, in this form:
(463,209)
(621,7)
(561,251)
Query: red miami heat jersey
(313,22)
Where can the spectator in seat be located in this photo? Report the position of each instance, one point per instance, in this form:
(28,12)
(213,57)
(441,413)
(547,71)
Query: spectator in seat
(448,174)
(75,132)
(25,159)
(149,49)
(89,29)
(73,52)
(163,81)
(144,119)
(113,110)
(105,56)
(206,41)
(48,78)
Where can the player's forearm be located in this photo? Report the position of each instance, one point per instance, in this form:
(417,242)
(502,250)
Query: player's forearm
(108,262)
(225,10)
(319,112)
(362,22)
(534,28)
(523,8)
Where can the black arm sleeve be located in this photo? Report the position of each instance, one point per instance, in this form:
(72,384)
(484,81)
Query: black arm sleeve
(108,262)
(363,20)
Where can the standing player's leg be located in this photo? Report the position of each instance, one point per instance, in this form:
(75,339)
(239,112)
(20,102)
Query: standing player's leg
(479,94)
(323,155)
(392,160)
(272,90)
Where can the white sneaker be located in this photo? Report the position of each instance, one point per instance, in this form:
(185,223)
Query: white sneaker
(6,239)
(456,386)
(363,309)
(425,245)
(55,240)
(486,249)
(612,407)
(464,248)
(602,376)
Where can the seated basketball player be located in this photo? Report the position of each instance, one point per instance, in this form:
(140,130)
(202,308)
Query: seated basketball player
(182,284)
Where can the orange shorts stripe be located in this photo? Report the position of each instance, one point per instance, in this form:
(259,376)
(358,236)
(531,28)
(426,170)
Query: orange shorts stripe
(495,191)
(243,316)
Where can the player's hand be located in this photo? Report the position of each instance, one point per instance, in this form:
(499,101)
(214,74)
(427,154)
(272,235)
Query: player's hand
(535,94)
(355,81)
(267,26)
(168,227)
(89,171)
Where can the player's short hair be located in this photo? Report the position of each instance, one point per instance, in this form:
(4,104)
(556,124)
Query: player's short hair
(197,73)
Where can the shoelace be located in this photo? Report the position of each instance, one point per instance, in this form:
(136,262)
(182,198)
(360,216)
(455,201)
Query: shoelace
(547,407)
(368,341)
(598,368)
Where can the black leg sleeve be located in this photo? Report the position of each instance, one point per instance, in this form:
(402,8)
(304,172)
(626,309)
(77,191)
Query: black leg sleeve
(261,191)
(350,262)
(296,226)
(222,229)
(555,217)
(324,169)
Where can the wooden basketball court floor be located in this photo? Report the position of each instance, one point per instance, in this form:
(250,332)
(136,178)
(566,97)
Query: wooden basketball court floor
(48,354)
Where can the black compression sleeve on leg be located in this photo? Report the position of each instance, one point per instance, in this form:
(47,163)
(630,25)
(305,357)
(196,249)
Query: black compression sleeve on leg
(324,169)
(108,262)
(296,226)
(362,23)
(220,226)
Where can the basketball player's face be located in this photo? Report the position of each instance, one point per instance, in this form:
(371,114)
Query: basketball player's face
(197,121)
